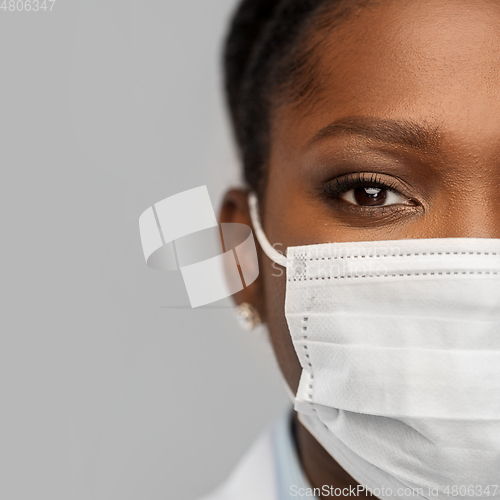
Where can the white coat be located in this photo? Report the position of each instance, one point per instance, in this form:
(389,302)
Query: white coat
(270,470)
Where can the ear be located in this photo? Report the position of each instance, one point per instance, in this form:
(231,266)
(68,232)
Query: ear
(235,209)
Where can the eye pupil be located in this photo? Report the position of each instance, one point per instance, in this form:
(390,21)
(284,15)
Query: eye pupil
(370,196)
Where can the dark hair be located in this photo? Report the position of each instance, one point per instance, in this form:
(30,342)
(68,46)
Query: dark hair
(266,56)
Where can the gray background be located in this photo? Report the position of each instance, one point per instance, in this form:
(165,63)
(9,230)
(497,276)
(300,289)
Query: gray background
(106,107)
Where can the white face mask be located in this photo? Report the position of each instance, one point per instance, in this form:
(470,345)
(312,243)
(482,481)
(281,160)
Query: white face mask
(399,343)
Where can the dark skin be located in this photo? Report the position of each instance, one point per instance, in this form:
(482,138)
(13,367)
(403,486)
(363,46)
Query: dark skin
(409,100)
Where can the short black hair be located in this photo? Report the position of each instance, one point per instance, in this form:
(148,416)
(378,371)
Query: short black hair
(265,57)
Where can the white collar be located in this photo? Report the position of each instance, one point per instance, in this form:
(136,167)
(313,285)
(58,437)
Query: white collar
(270,470)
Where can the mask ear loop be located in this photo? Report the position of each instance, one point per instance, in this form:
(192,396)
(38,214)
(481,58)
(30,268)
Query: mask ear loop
(269,250)
(275,256)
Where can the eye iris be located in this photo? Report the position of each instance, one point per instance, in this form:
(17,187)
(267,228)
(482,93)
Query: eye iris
(370,196)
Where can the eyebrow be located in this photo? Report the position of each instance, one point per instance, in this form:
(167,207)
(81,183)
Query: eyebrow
(397,132)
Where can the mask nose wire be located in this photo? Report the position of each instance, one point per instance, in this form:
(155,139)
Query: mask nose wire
(269,250)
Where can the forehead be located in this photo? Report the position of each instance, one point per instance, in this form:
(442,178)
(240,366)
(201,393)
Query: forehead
(430,61)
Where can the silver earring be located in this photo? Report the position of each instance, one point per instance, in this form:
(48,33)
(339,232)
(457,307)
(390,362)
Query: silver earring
(247,316)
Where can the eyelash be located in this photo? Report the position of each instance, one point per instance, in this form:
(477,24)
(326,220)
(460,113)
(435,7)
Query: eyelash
(340,185)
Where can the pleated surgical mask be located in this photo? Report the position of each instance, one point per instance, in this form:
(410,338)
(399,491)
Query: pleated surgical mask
(399,343)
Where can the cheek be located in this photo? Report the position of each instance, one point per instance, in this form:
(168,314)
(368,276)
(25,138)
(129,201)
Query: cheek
(274,288)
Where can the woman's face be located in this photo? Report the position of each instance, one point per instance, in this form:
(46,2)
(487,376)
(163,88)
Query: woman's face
(409,99)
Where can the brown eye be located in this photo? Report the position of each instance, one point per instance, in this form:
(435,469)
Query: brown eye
(370,196)
(373,196)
